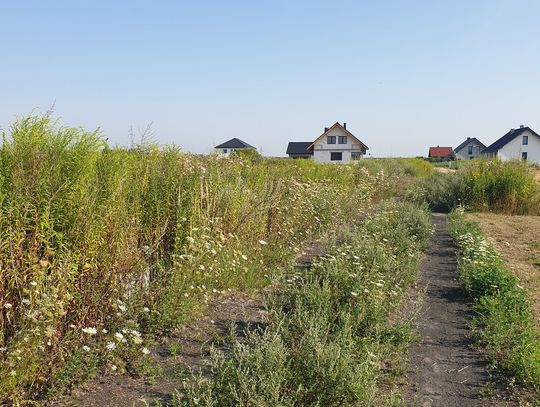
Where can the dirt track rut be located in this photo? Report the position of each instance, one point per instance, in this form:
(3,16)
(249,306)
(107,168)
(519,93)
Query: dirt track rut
(444,369)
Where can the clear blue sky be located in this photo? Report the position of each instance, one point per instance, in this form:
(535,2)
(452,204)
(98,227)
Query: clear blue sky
(403,74)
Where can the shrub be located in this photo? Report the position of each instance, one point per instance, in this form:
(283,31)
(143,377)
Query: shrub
(327,336)
(482,185)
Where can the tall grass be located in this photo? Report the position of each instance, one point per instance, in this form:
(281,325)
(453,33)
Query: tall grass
(327,341)
(503,321)
(103,248)
(483,185)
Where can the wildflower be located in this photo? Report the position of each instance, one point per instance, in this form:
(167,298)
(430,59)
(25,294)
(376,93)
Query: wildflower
(244,257)
(7,305)
(26,301)
(33,283)
(145,351)
(122,308)
(202,267)
(90,330)
(137,340)
(13,373)
(86,348)
(262,242)
(104,331)
(111,346)
(190,239)
(146,309)
(114,367)
(119,336)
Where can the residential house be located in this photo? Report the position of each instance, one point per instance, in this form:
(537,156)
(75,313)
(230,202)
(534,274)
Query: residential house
(441,153)
(470,148)
(299,149)
(522,143)
(233,144)
(335,145)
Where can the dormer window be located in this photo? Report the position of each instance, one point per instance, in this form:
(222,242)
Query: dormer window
(525,140)
(342,140)
(330,139)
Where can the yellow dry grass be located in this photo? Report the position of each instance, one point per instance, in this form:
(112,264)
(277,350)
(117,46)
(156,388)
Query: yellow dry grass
(517,238)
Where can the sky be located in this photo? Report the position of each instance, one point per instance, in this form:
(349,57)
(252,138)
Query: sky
(403,75)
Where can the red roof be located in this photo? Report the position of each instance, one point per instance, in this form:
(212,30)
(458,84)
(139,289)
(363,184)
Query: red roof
(441,152)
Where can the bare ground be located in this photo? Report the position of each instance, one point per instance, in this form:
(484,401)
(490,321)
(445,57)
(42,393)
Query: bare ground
(444,369)
(517,238)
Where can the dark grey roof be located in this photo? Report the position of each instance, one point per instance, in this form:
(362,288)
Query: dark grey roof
(469,139)
(299,147)
(234,143)
(507,138)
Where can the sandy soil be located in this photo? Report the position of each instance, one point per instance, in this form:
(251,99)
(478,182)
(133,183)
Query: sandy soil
(517,238)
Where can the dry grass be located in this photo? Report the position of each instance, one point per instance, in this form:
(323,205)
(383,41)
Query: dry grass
(517,238)
(537,175)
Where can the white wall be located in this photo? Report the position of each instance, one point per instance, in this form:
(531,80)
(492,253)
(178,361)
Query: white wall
(322,150)
(463,154)
(229,151)
(513,150)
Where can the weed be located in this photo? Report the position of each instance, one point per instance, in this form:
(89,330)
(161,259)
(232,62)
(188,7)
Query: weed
(503,321)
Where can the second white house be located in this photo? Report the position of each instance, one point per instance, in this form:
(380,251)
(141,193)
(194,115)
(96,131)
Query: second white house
(335,145)
(517,144)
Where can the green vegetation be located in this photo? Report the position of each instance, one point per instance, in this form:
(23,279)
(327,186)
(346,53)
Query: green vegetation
(503,322)
(482,185)
(327,340)
(103,249)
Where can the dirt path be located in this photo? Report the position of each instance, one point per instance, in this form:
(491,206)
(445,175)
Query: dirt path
(444,369)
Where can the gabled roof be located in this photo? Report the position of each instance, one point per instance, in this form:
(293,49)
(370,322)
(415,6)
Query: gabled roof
(469,139)
(507,138)
(440,151)
(234,143)
(336,124)
(299,147)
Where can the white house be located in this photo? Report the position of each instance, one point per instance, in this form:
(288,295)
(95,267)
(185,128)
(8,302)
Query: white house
(470,148)
(231,145)
(335,145)
(522,143)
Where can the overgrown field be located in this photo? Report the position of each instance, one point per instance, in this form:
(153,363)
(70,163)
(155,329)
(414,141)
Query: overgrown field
(327,340)
(103,249)
(503,322)
(483,185)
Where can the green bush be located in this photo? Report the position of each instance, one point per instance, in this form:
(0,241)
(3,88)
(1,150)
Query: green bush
(327,338)
(482,185)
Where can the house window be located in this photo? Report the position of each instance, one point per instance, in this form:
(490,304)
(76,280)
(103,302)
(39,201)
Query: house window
(356,155)
(225,151)
(524,155)
(525,140)
(470,150)
(342,140)
(335,156)
(330,139)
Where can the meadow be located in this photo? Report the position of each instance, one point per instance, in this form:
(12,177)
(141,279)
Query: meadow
(106,249)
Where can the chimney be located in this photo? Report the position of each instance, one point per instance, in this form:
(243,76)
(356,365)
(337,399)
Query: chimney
(521,126)
(325,129)
(344,125)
